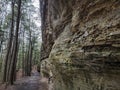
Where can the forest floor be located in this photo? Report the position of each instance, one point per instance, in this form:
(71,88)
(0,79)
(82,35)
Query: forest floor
(30,83)
(34,82)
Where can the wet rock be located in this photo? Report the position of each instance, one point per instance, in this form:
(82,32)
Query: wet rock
(83,49)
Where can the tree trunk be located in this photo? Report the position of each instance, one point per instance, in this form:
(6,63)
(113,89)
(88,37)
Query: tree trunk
(6,65)
(15,52)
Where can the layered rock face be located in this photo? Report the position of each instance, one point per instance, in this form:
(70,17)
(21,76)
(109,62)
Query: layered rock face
(81,41)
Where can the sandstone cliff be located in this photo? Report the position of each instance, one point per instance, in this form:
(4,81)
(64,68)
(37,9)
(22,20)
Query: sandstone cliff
(81,43)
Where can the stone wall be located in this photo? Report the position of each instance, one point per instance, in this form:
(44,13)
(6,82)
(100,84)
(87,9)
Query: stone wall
(81,39)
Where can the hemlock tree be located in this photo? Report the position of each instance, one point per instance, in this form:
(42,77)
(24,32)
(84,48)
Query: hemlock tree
(12,50)
(18,38)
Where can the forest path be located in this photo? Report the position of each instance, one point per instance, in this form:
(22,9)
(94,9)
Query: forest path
(34,82)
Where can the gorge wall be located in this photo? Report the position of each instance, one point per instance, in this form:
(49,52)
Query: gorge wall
(81,43)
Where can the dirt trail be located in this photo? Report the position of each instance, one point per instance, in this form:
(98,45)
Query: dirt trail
(30,83)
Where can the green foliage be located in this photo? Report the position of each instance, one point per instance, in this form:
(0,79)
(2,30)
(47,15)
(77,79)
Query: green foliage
(6,24)
(28,31)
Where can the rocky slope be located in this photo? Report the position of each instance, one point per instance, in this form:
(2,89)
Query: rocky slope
(81,43)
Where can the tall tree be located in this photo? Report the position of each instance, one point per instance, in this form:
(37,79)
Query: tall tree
(6,66)
(15,49)
(12,52)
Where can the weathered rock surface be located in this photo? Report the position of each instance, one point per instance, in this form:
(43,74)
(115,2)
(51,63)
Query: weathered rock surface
(81,41)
